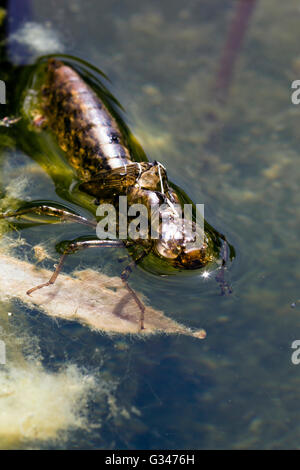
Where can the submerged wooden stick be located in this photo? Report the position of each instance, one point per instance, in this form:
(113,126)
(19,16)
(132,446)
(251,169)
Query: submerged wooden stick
(238,28)
(90,297)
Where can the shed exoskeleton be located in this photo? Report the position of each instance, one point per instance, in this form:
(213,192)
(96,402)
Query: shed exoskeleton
(106,163)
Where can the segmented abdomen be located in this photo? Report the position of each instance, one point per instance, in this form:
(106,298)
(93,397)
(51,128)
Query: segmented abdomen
(85,129)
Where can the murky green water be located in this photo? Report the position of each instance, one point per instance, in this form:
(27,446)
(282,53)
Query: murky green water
(238,388)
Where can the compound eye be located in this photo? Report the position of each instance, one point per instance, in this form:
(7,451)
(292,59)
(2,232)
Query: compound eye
(166,251)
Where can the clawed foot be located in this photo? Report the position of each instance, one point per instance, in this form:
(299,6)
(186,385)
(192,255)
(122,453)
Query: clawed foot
(226,288)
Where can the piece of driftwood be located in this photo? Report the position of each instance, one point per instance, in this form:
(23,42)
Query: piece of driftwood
(91,298)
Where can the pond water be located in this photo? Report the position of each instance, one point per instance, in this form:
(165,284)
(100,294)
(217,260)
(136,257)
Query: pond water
(238,388)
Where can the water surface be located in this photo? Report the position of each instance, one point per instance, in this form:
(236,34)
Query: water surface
(238,388)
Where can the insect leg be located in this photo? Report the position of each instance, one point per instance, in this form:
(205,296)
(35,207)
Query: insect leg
(52,211)
(69,248)
(226,289)
(74,246)
(124,277)
(52,278)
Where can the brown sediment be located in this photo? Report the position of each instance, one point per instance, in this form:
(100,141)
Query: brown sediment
(91,298)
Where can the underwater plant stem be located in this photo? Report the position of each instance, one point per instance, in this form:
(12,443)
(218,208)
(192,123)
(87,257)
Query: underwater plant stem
(237,31)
